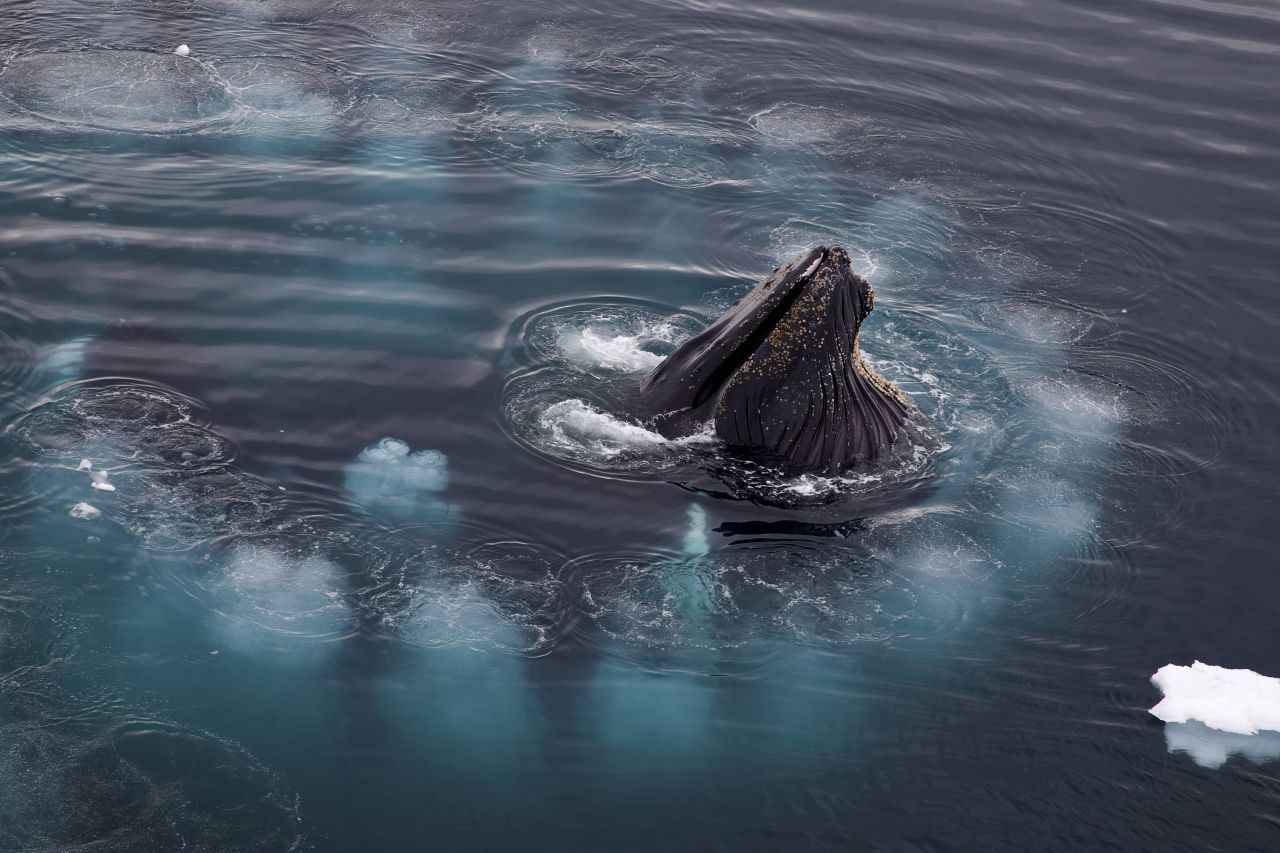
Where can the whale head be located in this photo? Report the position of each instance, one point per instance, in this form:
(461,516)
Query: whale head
(780,372)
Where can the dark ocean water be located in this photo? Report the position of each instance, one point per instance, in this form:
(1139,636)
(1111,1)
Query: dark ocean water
(529,622)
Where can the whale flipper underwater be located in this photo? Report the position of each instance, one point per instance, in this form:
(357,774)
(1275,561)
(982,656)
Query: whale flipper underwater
(781,374)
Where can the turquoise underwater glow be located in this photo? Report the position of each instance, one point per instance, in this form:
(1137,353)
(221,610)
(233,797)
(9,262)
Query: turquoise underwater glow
(325,523)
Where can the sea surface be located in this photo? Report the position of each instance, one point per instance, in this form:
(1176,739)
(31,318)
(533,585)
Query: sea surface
(324,524)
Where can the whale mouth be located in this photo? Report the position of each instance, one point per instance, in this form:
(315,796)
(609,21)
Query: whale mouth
(688,385)
(780,373)
(758,326)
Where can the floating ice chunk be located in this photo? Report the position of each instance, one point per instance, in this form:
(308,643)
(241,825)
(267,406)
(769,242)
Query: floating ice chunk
(84,465)
(99,480)
(182,50)
(1211,748)
(85,512)
(1229,700)
(386,476)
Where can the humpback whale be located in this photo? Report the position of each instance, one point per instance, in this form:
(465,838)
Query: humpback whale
(781,375)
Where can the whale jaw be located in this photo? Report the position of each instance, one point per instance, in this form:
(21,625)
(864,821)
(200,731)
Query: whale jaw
(781,375)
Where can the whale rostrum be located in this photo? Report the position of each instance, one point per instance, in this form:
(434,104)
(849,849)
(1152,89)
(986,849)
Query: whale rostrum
(781,374)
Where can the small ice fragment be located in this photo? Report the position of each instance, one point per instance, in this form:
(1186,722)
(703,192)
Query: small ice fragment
(99,481)
(182,50)
(1229,700)
(85,512)
(84,465)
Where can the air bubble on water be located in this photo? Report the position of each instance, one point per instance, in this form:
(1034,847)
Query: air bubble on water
(272,600)
(599,348)
(695,538)
(77,784)
(122,90)
(608,340)
(573,423)
(387,477)
(1076,405)
(85,512)
(175,485)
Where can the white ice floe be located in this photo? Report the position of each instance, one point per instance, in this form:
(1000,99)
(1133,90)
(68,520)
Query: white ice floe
(100,480)
(85,512)
(182,50)
(1230,700)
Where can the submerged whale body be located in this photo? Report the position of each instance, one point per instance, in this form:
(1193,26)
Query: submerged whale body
(781,375)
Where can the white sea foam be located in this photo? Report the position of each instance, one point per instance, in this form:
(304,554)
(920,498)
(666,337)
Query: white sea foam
(268,599)
(1076,406)
(804,124)
(391,469)
(573,422)
(126,90)
(596,347)
(387,477)
(85,512)
(279,88)
(695,538)
(909,458)
(1229,700)
(609,339)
